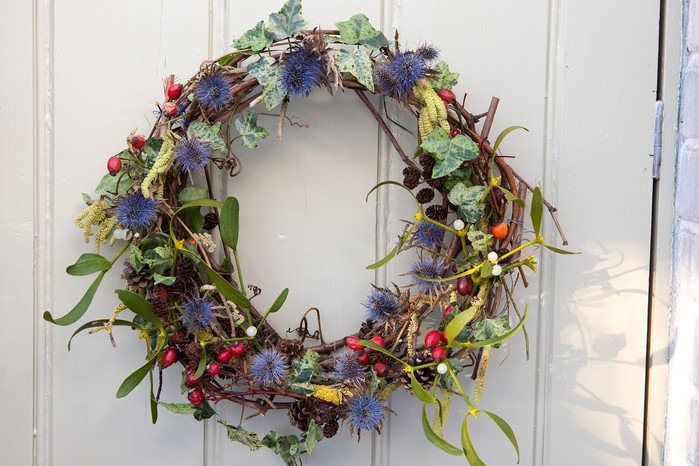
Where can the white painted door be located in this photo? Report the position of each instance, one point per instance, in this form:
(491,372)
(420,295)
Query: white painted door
(580,75)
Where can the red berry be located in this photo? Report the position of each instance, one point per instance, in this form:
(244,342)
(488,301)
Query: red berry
(177,337)
(444,338)
(213,368)
(446,95)
(352,343)
(238,349)
(446,105)
(225,355)
(448,310)
(455,132)
(439,353)
(381,369)
(174,91)
(464,285)
(137,141)
(169,357)
(114,165)
(169,109)
(196,397)
(378,339)
(363,358)
(190,379)
(432,338)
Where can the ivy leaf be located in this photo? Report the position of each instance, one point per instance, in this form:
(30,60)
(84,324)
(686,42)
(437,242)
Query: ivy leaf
(248,129)
(468,200)
(491,328)
(444,79)
(461,149)
(165,280)
(437,143)
(358,64)
(109,184)
(178,408)
(460,175)
(204,411)
(306,368)
(358,30)
(255,39)
(288,21)
(303,388)
(240,435)
(287,447)
(478,239)
(273,91)
(313,436)
(210,134)
(152,149)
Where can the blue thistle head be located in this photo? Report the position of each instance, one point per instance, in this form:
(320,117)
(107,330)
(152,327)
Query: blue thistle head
(303,68)
(198,314)
(136,212)
(427,268)
(268,368)
(428,235)
(427,52)
(347,368)
(213,90)
(397,76)
(192,154)
(366,412)
(381,305)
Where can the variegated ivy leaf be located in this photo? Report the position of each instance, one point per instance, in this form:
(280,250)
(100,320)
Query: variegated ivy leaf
(468,199)
(255,39)
(288,21)
(267,75)
(240,435)
(444,79)
(358,30)
(449,152)
(249,130)
(491,328)
(210,134)
(460,175)
(314,434)
(358,64)
(479,240)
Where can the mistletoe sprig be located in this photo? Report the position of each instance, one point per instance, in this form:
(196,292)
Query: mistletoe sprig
(184,281)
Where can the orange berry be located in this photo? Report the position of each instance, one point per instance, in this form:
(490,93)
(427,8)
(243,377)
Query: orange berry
(499,230)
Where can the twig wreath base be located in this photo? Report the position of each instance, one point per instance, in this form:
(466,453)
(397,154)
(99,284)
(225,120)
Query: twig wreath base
(184,282)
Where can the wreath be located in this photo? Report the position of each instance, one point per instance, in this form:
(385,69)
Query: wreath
(183,278)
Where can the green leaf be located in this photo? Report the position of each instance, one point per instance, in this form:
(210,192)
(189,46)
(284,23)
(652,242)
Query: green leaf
(248,129)
(511,197)
(488,329)
(153,402)
(302,388)
(100,323)
(487,269)
(479,240)
(240,435)
(313,436)
(163,279)
(109,185)
(230,222)
(471,455)
(225,288)
(501,338)
(202,365)
(461,149)
(559,250)
(537,210)
(194,217)
(357,63)
(505,428)
(288,21)
(435,439)
(419,391)
(458,323)
(358,30)
(204,411)
(179,408)
(134,379)
(287,447)
(305,369)
(503,134)
(88,264)
(210,134)
(444,78)
(380,349)
(255,39)
(279,302)
(80,309)
(140,306)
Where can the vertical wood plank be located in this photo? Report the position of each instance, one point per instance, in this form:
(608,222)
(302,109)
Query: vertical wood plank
(16,232)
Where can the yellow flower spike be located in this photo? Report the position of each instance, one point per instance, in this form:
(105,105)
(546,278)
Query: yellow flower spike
(143,335)
(179,244)
(332,395)
(161,165)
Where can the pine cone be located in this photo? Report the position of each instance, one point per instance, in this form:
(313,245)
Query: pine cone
(160,306)
(330,429)
(300,413)
(426,161)
(366,327)
(137,281)
(425,195)
(293,349)
(436,212)
(210,221)
(193,353)
(411,177)
(424,376)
